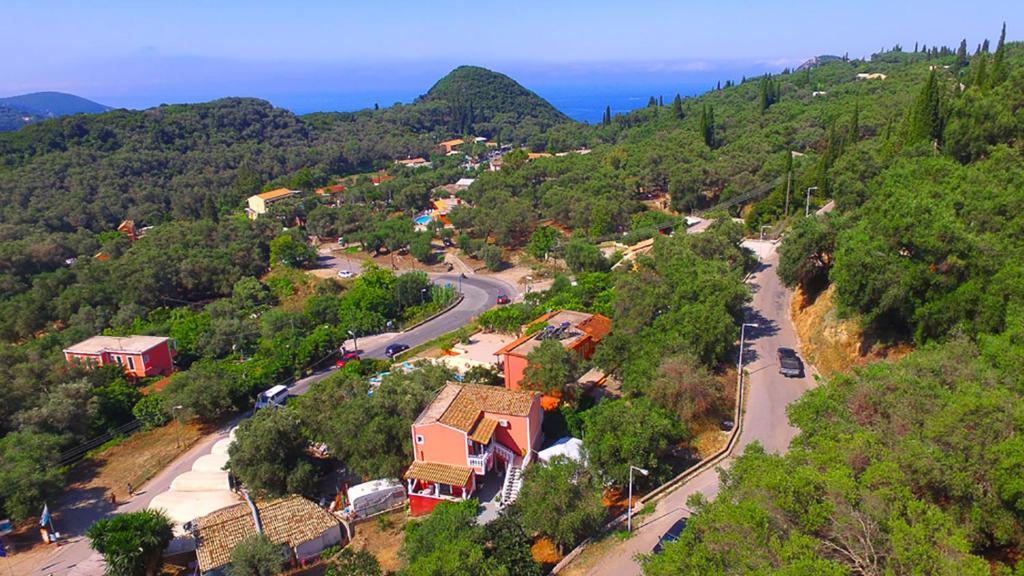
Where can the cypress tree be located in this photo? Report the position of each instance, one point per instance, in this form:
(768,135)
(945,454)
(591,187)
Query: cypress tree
(853,134)
(652,102)
(981,71)
(661,101)
(926,118)
(707,126)
(984,46)
(961,54)
(999,60)
(677,107)
(607,118)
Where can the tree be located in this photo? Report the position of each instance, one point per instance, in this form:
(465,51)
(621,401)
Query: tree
(420,247)
(607,118)
(542,242)
(620,433)
(510,545)
(550,368)
(291,250)
(268,454)
(30,475)
(561,499)
(354,563)
(688,389)
(132,544)
(205,391)
(927,119)
(805,256)
(256,555)
(491,255)
(449,542)
(707,125)
(582,256)
(677,107)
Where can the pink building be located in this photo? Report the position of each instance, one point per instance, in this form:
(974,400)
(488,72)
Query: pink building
(467,432)
(577,331)
(140,356)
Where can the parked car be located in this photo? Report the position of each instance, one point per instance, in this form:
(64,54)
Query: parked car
(503,299)
(789,363)
(671,535)
(345,274)
(346,358)
(395,349)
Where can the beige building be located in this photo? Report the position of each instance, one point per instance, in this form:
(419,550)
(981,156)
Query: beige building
(258,204)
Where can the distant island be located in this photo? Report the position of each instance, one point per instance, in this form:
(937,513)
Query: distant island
(18,111)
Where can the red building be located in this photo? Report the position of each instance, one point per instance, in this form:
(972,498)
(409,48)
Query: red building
(576,331)
(466,433)
(140,356)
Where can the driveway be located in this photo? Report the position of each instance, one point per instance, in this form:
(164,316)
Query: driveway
(764,421)
(79,509)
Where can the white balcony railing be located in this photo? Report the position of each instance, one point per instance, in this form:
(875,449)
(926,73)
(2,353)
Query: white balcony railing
(480,462)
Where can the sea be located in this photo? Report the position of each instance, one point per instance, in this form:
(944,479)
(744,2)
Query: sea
(581,103)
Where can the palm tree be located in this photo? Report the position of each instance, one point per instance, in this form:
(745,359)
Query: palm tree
(132,544)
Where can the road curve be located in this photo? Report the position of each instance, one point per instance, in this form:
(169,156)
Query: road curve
(78,509)
(764,421)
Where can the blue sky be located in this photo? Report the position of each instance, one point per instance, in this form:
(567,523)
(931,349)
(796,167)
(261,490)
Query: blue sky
(140,53)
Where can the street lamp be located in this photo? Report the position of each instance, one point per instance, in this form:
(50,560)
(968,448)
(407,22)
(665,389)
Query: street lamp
(355,342)
(739,363)
(629,509)
(174,410)
(423,295)
(807,204)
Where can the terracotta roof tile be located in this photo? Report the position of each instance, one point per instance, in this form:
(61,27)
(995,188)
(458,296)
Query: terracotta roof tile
(473,399)
(291,520)
(440,473)
(275,194)
(484,430)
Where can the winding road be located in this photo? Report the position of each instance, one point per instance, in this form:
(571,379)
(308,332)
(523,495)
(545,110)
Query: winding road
(764,421)
(78,509)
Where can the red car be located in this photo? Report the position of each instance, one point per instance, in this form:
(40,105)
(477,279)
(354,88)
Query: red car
(503,299)
(346,358)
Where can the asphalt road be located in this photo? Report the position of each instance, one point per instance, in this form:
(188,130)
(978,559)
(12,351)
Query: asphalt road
(764,421)
(78,509)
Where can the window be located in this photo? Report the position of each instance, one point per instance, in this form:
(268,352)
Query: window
(503,423)
(419,439)
(117,359)
(145,359)
(131,363)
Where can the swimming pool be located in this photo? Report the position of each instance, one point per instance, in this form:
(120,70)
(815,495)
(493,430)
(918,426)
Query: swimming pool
(423,220)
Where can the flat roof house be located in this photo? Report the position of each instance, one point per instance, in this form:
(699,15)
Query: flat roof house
(576,331)
(140,356)
(259,203)
(467,432)
(448,145)
(305,528)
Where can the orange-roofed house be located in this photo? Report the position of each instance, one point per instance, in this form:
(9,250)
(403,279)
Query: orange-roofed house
(259,203)
(417,162)
(140,356)
(466,433)
(448,145)
(577,331)
(380,178)
(331,190)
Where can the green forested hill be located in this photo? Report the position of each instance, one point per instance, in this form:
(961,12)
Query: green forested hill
(487,103)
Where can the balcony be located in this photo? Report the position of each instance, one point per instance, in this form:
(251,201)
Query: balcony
(480,462)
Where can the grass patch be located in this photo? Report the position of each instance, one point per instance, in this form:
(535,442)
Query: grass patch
(445,340)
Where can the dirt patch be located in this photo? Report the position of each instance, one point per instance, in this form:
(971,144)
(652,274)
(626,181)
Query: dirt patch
(136,459)
(832,344)
(710,442)
(383,537)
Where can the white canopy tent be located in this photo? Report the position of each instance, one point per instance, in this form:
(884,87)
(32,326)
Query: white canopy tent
(571,448)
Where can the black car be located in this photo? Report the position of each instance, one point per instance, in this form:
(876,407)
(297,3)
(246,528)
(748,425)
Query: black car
(670,536)
(789,363)
(395,349)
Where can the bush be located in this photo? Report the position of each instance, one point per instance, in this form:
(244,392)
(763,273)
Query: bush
(152,411)
(491,255)
(256,555)
(132,544)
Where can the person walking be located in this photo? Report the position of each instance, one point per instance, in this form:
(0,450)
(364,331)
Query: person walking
(131,490)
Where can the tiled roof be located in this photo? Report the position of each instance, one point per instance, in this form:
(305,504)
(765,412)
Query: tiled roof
(129,344)
(291,520)
(440,473)
(453,142)
(276,194)
(484,430)
(475,399)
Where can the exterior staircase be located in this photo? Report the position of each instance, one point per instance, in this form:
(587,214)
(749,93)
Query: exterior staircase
(513,482)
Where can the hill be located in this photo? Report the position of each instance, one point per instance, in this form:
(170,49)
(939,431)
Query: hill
(18,111)
(486,103)
(53,104)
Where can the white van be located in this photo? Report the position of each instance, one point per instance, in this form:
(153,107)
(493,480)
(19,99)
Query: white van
(375,496)
(273,397)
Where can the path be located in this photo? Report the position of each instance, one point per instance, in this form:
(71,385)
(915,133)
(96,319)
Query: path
(764,421)
(79,509)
